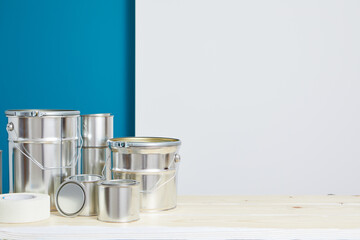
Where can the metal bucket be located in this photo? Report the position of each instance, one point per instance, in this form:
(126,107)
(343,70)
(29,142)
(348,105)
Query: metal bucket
(43,149)
(153,162)
(119,200)
(96,130)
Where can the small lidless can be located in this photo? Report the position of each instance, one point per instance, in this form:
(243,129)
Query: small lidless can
(119,200)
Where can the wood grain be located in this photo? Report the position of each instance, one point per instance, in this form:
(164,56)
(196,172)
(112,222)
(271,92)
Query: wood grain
(290,212)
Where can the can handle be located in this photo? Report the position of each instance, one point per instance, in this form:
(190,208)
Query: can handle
(10,128)
(156,187)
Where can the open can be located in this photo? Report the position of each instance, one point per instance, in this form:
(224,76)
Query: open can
(152,161)
(119,200)
(44,148)
(77,196)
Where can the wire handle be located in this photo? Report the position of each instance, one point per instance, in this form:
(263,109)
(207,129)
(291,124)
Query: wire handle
(156,187)
(11,129)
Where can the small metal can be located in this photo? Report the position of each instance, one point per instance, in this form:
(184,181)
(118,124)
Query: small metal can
(119,200)
(70,198)
(89,182)
(77,196)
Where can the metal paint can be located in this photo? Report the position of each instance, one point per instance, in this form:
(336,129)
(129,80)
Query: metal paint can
(43,149)
(70,198)
(152,161)
(96,130)
(89,182)
(119,200)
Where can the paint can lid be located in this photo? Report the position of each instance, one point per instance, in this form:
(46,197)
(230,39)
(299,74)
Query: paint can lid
(40,112)
(70,198)
(143,142)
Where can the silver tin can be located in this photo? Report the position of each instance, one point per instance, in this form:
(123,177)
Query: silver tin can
(119,200)
(153,162)
(89,181)
(43,149)
(70,198)
(96,130)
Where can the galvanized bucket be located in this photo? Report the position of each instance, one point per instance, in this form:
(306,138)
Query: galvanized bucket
(96,130)
(43,149)
(153,162)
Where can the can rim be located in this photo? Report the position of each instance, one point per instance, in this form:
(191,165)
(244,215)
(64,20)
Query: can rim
(57,195)
(124,142)
(71,178)
(40,112)
(97,115)
(119,183)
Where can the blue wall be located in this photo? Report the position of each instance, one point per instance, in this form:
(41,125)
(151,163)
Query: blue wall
(68,54)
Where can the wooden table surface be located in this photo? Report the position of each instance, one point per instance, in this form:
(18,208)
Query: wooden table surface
(240,212)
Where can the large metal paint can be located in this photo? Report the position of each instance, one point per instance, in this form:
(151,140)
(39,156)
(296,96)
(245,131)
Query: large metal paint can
(153,162)
(43,149)
(96,130)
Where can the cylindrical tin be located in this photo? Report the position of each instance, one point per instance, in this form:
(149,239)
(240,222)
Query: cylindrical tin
(89,182)
(93,160)
(153,162)
(43,149)
(119,200)
(96,130)
(70,198)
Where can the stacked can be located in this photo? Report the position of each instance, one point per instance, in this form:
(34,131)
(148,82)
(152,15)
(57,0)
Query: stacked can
(96,130)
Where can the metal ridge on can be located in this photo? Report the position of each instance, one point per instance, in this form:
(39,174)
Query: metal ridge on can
(97,115)
(143,142)
(40,112)
(119,183)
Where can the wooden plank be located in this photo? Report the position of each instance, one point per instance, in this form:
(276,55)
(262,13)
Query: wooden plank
(291,212)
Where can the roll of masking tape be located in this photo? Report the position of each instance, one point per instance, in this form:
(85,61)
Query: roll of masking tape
(24,207)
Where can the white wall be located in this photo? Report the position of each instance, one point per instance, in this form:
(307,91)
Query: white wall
(265,95)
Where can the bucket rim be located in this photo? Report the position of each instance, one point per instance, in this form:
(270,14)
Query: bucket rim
(75,178)
(97,115)
(118,183)
(124,142)
(40,112)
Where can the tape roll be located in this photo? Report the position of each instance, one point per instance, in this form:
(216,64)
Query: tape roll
(24,207)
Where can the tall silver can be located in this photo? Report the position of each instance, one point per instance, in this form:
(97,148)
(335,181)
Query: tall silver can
(96,130)
(43,149)
(152,161)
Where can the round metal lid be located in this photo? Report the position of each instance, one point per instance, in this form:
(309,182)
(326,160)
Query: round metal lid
(88,178)
(143,142)
(40,112)
(70,198)
(119,183)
